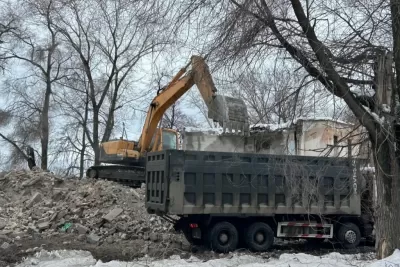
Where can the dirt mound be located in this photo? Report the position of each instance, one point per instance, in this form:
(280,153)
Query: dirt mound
(37,203)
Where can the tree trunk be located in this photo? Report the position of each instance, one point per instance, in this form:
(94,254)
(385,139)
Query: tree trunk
(388,205)
(96,144)
(387,163)
(45,125)
(83,150)
(110,120)
(31,157)
(395,11)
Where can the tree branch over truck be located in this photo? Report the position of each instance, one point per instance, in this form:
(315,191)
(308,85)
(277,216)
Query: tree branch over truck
(335,42)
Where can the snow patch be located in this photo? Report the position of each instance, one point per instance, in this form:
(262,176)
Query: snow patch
(368,169)
(270,126)
(286,125)
(391,261)
(381,120)
(62,258)
(386,108)
(362,91)
(211,131)
(74,258)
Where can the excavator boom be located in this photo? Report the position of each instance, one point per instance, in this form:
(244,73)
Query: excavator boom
(229,112)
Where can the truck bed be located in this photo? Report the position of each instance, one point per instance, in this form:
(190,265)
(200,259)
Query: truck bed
(222,183)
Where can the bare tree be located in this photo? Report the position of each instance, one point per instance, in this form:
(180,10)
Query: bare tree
(175,118)
(336,43)
(17,154)
(73,102)
(110,38)
(44,59)
(8,24)
(277,95)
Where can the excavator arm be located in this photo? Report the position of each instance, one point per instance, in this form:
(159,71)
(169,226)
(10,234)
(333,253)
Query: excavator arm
(158,107)
(229,112)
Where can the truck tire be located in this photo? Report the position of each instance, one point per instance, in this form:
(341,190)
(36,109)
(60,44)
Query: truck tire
(259,237)
(349,235)
(223,237)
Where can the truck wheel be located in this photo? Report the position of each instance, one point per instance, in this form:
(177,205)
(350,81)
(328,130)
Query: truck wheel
(224,237)
(259,237)
(349,235)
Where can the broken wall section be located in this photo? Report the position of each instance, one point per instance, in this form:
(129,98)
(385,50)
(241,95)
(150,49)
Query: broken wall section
(305,137)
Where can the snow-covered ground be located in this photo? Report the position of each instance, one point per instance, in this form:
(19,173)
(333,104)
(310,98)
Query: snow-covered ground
(64,258)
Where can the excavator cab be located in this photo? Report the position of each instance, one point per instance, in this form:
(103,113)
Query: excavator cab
(169,139)
(164,139)
(121,151)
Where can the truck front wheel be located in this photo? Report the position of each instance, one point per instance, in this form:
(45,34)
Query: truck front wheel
(349,235)
(223,237)
(259,237)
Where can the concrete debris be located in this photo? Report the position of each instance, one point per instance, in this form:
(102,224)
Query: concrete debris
(122,227)
(113,214)
(5,245)
(136,194)
(35,199)
(154,237)
(81,229)
(43,225)
(39,205)
(110,240)
(93,239)
(2,224)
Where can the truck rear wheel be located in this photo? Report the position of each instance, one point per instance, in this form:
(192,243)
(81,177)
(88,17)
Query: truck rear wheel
(349,235)
(259,237)
(224,237)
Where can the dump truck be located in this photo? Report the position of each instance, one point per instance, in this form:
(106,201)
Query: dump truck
(125,159)
(223,199)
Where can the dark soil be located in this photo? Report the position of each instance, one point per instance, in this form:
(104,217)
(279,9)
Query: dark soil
(126,250)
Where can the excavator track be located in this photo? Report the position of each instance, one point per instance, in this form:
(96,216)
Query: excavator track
(132,176)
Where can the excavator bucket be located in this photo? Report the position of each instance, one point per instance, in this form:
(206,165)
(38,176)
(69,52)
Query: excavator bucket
(229,112)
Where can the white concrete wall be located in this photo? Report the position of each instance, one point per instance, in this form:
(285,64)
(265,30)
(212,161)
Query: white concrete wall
(316,137)
(313,138)
(209,142)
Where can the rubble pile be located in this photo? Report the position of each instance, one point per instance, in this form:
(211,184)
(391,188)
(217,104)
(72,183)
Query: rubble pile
(38,203)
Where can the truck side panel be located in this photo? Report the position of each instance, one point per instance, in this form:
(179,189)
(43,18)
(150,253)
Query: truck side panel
(201,182)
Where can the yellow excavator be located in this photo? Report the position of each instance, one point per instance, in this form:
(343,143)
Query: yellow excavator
(127,158)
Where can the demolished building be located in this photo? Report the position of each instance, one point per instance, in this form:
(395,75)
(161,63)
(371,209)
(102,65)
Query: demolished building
(302,137)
